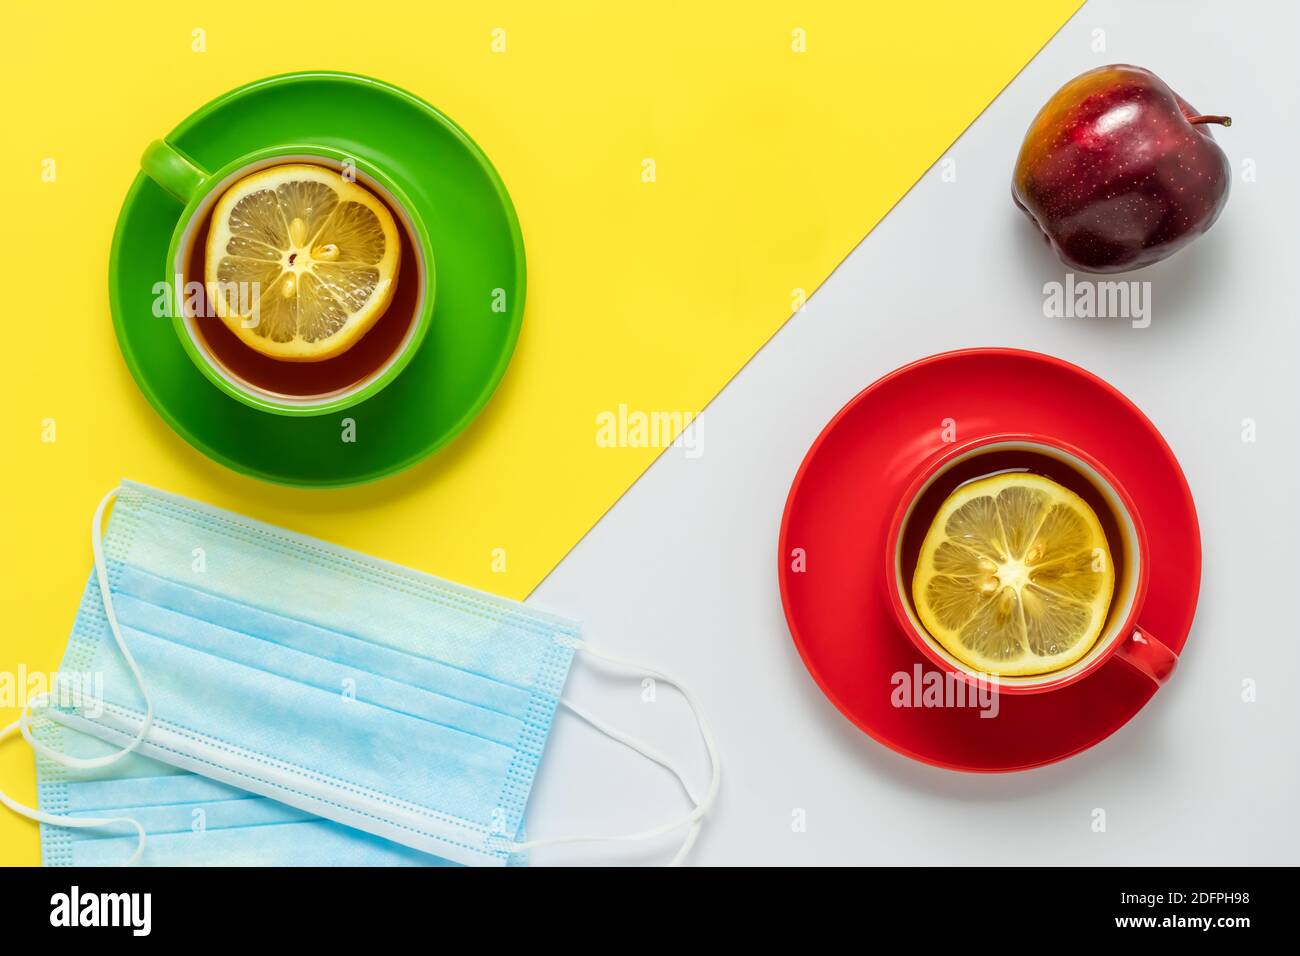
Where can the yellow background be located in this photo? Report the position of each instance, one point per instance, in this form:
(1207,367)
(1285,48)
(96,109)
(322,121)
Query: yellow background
(771,165)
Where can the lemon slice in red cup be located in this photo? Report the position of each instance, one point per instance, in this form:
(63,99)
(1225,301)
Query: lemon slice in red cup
(1014,576)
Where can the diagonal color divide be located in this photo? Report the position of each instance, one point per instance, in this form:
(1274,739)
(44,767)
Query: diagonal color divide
(680,173)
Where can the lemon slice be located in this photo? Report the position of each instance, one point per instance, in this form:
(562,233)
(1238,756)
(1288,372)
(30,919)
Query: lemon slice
(1014,576)
(300,262)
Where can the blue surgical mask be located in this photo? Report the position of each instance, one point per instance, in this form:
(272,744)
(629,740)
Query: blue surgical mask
(190,820)
(329,682)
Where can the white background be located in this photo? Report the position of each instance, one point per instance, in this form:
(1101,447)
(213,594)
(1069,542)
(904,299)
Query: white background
(681,573)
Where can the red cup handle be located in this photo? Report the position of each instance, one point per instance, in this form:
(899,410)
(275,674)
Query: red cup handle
(1147,655)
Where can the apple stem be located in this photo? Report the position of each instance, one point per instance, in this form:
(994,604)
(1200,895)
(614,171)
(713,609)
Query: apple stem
(1221,120)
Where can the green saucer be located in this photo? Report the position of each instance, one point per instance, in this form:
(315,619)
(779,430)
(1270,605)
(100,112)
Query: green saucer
(479,308)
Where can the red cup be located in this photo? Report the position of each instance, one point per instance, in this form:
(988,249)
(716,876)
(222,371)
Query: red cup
(1122,637)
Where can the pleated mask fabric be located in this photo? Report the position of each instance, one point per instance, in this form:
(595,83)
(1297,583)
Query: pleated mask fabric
(310,704)
(332,682)
(190,820)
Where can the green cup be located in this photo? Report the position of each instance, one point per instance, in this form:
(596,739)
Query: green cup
(198,190)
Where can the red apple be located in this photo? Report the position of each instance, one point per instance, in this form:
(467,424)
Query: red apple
(1119,171)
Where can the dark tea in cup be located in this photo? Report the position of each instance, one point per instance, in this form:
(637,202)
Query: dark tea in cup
(1029,558)
(306,381)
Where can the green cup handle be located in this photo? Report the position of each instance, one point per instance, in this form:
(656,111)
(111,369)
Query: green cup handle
(173,170)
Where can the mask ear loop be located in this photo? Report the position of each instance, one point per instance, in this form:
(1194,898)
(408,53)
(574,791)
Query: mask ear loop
(23,723)
(646,751)
(695,818)
(54,819)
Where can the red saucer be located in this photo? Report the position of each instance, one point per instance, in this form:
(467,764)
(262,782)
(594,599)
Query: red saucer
(839,509)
